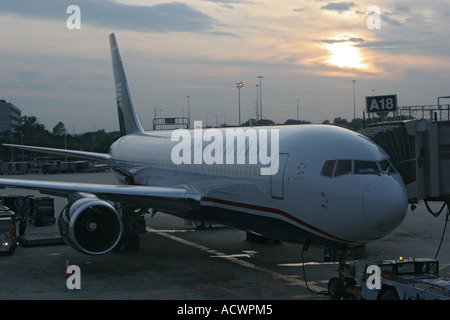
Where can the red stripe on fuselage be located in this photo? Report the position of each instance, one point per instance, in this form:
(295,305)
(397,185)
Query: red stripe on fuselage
(274,211)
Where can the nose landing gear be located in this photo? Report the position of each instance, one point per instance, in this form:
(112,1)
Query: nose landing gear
(344,286)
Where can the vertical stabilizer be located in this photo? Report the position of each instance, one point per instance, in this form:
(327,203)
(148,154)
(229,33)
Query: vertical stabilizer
(128,120)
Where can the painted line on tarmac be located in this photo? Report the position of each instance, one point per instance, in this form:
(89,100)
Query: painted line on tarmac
(287,278)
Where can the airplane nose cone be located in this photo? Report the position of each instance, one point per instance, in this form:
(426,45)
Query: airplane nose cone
(385,205)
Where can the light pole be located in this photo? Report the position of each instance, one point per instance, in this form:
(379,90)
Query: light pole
(189,114)
(260,97)
(239,86)
(298,110)
(257,104)
(354,100)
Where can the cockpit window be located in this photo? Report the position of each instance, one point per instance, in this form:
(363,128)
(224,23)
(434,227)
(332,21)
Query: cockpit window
(387,167)
(343,167)
(366,167)
(328,168)
(336,168)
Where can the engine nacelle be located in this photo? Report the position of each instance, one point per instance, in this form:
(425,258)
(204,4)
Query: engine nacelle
(91,225)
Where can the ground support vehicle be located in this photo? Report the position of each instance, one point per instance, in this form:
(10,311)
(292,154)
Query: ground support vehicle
(42,210)
(405,279)
(8,241)
(37,209)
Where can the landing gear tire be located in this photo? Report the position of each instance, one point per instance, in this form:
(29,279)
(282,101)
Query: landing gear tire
(130,244)
(202,225)
(335,289)
(342,286)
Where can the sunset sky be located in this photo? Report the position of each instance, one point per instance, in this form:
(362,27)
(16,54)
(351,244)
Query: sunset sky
(308,50)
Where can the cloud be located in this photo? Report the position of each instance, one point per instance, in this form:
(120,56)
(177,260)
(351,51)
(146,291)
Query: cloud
(338,6)
(402,8)
(165,17)
(331,41)
(228,1)
(230,4)
(28,75)
(388,17)
(31,80)
(385,45)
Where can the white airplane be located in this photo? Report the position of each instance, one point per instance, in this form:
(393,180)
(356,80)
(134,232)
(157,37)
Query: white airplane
(332,186)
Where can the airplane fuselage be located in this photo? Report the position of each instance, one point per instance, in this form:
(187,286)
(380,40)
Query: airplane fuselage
(296,184)
(303,200)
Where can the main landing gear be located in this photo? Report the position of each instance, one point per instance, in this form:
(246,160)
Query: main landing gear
(133,225)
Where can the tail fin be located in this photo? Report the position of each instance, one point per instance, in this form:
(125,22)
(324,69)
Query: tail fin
(128,120)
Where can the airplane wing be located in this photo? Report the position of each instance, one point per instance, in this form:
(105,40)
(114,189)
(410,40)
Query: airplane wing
(63,152)
(171,200)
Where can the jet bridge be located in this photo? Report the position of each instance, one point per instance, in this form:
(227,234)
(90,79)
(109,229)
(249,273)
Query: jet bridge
(420,151)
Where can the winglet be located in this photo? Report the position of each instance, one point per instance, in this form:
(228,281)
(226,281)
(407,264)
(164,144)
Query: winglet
(128,120)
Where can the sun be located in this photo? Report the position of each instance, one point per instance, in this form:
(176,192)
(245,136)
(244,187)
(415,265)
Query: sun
(345,55)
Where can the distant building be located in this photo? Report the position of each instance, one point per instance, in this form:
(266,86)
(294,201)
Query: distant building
(9,116)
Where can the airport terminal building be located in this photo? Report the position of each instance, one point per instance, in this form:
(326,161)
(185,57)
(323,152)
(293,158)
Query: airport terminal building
(9,116)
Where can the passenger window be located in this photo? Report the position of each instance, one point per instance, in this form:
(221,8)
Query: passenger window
(366,167)
(343,167)
(328,168)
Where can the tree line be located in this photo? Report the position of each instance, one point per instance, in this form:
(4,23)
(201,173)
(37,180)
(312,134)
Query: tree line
(355,124)
(31,132)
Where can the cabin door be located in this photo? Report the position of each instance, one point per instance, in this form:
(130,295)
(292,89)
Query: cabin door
(277,180)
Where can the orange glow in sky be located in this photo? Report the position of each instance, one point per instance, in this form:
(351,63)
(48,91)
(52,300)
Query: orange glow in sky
(197,48)
(345,55)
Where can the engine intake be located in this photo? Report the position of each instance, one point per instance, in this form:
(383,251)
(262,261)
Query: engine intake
(91,225)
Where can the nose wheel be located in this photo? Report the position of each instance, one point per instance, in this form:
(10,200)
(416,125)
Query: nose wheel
(343,286)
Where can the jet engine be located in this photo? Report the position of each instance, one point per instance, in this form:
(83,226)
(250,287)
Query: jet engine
(90,225)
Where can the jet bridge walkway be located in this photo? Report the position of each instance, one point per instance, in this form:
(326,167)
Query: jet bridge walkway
(420,151)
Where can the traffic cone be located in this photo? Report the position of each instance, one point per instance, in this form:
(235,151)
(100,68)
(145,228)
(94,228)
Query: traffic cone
(68,274)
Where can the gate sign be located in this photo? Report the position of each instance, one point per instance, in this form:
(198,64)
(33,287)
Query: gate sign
(381,103)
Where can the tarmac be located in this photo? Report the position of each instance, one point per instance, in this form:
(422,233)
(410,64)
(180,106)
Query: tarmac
(178,261)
